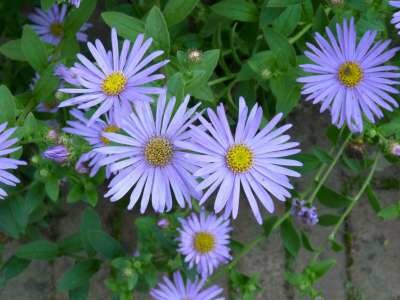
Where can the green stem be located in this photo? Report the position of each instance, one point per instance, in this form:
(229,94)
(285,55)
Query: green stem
(28,108)
(220,80)
(302,32)
(329,170)
(367,181)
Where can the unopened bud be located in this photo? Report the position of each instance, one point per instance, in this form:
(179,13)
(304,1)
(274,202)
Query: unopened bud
(195,55)
(395,149)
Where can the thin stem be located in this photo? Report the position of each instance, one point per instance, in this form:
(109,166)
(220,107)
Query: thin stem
(302,32)
(331,236)
(367,181)
(329,170)
(220,80)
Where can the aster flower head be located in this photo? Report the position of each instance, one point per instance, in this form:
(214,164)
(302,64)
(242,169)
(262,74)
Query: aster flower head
(204,242)
(149,157)
(350,78)
(49,25)
(58,153)
(396,16)
(250,159)
(305,214)
(94,135)
(8,163)
(117,79)
(178,289)
(75,3)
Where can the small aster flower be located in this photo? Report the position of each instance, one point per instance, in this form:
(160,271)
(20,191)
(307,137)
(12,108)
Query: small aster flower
(8,163)
(204,242)
(94,135)
(66,74)
(350,79)
(149,157)
(118,77)
(251,159)
(178,289)
(58,153)
(305,214)
(395,149)
(49,25)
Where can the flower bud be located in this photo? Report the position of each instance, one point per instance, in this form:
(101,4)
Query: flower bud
(194,55)
(163,223)
(58,154)
(305,214)
(395,149)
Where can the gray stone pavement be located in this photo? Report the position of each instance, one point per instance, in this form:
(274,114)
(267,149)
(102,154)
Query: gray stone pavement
(368,270)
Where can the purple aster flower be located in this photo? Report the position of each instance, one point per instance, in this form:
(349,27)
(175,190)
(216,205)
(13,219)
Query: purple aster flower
(178,289)
(94,135)
(117,79)
(58,153)
(251,159)
(8,163)
(49,25)
(305,214)
(349,78)
(149,157)
(396,16)
(204,242)
(75,3)
(66,74)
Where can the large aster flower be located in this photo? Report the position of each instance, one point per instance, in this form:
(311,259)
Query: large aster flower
(349,78)
(204,241)
(117,79)
(49,25)
(149,158)
(179,290)
(8,163)
(251,159)
(94,135)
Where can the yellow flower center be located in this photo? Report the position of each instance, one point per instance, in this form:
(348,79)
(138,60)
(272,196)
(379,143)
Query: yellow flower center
(57,29)
(109,128)
(350,74)
(239,158)
(158,152)
(204,242)
(114,84)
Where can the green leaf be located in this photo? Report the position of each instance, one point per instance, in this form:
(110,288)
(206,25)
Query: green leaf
(321,20)
(13,50)
(306,242)
(176,11)
(46,4)
(105,244)
(207,64)
(46,86)
(310,162)
(373,199)
(69,47)
(78,275)
(78,16)
(89,221)
(41,249)
(70,244)
(11,268)
(286,92)
(52,187)
(30,125)
(7,105)
(320,268)
(34,49)
(127,27)
(336,246)
(328,220)
(156,27)
(75,193)
(175,86)
(390,212)
(238,10)
(287,22)
(282,3)
(290,237)
(91,193)
(331,199)
(281,47)
(269,224)
(80,293)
